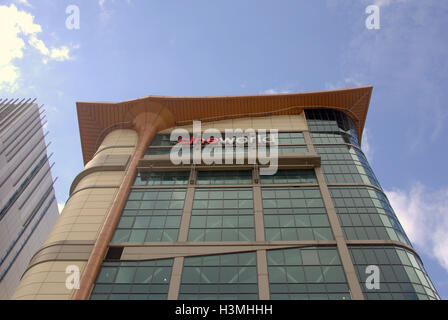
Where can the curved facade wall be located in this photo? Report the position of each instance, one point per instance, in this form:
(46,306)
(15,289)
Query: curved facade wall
(75,232)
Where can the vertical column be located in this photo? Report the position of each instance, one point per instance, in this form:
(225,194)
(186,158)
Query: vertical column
(347,263)
(309,141)
(262,266)
(258,206)
(186,214)
(146,124)
(176,273)
(176,276)
(263,279)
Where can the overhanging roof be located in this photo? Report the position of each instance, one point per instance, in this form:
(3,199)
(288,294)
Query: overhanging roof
(97,118)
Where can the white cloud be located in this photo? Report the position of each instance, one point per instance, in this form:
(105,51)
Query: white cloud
(348,82)
(366,145)
(107,13)
(424,216)
(23,2)
(17,30)
(385,3)
(274,91)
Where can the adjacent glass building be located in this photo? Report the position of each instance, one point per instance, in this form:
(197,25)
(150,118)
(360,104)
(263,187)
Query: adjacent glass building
(136,226)
(28,207)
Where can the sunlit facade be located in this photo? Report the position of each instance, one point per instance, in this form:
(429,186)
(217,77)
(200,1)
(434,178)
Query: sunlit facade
(28,207)
(140,227)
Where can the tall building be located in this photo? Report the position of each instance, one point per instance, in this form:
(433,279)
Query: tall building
(28,208)
(139,226)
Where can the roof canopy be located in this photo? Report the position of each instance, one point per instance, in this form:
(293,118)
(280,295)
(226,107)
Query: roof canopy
(96,119)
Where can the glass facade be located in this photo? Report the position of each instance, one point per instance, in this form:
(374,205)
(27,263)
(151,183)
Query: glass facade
(133,280)
(162,178)
(151,215)
(220,277)
(224,214)
(307,274)
(365,214)
(290,177)
(303,206)
(295,213)
(224,177)
(402,275)
(345,164)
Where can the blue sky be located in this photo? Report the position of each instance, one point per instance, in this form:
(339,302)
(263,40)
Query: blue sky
(127,49)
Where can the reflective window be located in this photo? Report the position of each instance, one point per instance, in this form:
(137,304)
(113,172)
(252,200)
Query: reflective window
(290,177)
(295,213)
(328,137)
(151,215)
(345,164)
(162,140)
(220,277)
(292,149)
(401,273)
(156,178)
(291,138)
(307,274)
(224,177)
(334,121)
(222,214)
(158,151)
(365,214)
(133,280)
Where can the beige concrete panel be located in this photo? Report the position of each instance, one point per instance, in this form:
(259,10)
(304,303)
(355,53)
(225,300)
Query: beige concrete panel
(81,220)
(83,215)
(282,123)
(115,150)
(120,137)
(105,178)
(52,278)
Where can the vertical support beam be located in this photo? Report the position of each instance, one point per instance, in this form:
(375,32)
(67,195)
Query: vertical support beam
(347,264)
(188,206)
(176,276)
(309,141)
(258,206)
(146,124)
(263,279)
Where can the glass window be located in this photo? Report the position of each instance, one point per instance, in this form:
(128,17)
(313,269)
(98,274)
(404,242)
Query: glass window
(224,214)
(295,213)
(220,277)
(399,279)
(331,121)
(224,177)
(155,217)
(346,164)
(290,177)
(366,214)
(135,280)
(161,178)
(306,274)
